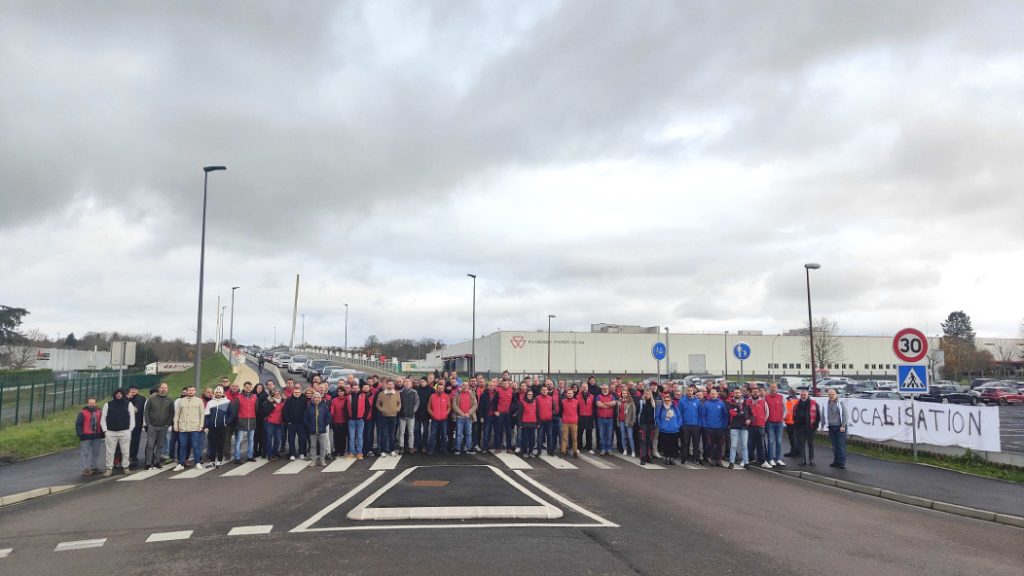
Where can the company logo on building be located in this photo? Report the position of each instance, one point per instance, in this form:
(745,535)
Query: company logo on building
(518,342)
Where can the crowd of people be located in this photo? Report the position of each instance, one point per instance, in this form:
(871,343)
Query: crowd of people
(444,414)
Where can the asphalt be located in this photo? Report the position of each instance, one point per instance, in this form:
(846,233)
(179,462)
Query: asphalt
(671,521)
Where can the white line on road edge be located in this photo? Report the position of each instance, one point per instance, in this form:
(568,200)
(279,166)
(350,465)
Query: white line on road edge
(191,473)
(5,552)
(293,467)
(559,463)
(144,474)
(513,462)
(168,536)
(544,510)
(637,462)
(250,530)
(385,463)
(80,544)
(244,469)
(597,463)
(339,465)
(305,526)
(566,502)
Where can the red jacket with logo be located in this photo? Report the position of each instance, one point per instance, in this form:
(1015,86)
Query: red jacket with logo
(545,407)
(758,412)
(776,407)
(440,406)
(338,413)
(504,399)
(586,405)
(570,411)
(605,412)
(528,412)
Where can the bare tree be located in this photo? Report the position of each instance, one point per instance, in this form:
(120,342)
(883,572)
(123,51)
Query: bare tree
(828,346)
(22,352)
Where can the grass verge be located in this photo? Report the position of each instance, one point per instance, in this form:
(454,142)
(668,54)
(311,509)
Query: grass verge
(57,430)
(969,462)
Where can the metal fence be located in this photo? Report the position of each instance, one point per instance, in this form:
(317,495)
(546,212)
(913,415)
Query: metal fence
(28,396)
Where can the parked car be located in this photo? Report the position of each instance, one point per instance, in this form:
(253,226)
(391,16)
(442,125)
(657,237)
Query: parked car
(947,394)
(792,382)
(313,368)
(339,374)
(886,384)
(281,360)
(1002,395)
(980,381)
(297,363)
(878,395)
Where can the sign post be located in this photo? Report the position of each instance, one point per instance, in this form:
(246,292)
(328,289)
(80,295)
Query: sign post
(658,351)
(741,351)
(910,345)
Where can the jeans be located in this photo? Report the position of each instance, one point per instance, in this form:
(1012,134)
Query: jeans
(406,427)
(89,452)
(368,429)
(756,440)
(626,433)
(386,433)
(556,432)
(171,443)
(187,441)
(774,431)
(133,446)
(738,441)
(526,436)
(604,434)
(463,434)
(805,445)
(503,432)
(249,435)
(355,436)
(586,432)
(272,437)
(546,440)
(490,431)
(438,429)
(114,440)
(296,432)
(422,434)
(838,440)
(155,437)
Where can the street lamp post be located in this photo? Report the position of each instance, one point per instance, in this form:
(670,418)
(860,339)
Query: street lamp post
(810,325)
(550,316)
(346,327)
(771,369)
(231,337)
(202,266)
(472,342)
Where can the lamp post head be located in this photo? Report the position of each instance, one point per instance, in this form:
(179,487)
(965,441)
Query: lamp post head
(812,265)
(235,287)
(209,169)
(473,276)
(552,316)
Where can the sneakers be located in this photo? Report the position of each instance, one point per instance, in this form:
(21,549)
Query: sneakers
(349,456)
(393,453)
(198,467)
(177,468)
(780,463)
(108,472)
(591,452)
(766,465)
(291,458)
(731,467)
(359,456)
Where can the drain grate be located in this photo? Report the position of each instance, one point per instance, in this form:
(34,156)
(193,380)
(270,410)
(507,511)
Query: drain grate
(430,483)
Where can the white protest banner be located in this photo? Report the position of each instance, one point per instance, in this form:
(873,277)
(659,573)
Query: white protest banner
(974,427)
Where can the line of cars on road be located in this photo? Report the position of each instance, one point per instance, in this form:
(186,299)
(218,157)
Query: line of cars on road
(310,367)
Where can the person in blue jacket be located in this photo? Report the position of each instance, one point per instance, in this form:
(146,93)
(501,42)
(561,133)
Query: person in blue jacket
(715,417)
(669,421)
(690,407)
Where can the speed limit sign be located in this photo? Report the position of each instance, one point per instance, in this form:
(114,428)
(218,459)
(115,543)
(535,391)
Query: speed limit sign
(910,345)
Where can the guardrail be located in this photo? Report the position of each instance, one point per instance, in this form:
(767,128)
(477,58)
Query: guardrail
(27,399)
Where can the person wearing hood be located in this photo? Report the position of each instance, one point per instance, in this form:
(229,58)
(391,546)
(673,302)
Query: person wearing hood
(216,418)
(242,417)
(118,421)
(90,433)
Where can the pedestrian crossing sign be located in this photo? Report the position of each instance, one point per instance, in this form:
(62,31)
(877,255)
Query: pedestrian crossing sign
(912,379)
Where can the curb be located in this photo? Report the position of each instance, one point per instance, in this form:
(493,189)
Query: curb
(956,509)
(36,493)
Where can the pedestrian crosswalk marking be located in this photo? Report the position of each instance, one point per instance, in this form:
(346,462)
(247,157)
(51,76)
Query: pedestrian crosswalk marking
(636,461)
(244,469)
(191,473)
(80,544)
(251,530)
(293,467)
(559,463)
(512,461)
(5,552)
(169,536)
(139,476)
(340,465)
(386,463)
(597,463)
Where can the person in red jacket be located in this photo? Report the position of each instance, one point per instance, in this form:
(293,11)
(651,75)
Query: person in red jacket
(758,418)
(586,425)
(339,420)
(775,424)
(527,423)
(273,430)
(503,429)
(439,408)
(546,421)
(359,406)
(570,422)
(605,404)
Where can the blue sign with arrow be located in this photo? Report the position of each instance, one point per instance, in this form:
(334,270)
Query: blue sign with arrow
(659,350)
(741,350)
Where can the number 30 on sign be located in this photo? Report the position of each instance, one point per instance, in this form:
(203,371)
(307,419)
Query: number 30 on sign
(910,345)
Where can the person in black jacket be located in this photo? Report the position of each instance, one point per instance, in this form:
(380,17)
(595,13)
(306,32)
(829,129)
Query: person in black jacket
(645,425)
(806,420)
(139,402)
(294,415)
(425,389)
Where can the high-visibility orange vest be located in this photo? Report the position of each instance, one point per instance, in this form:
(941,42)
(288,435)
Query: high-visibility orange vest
(790,408)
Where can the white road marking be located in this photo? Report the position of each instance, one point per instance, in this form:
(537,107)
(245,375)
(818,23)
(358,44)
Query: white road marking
(293,467)
(637,462)
(168,536)
(144,474)
(385,463)
(339,465)
(597,463)
(559,463)
(191,473)
(566,502)
(513,462)
(244,469)
(543,511)
(304,527)
(5,552)
(250,530)
(80,544)
(693,467)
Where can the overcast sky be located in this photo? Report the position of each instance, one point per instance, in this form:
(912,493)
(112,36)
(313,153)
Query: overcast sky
(669,163)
